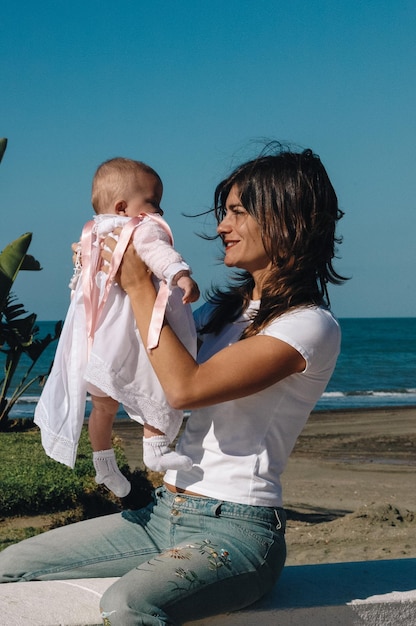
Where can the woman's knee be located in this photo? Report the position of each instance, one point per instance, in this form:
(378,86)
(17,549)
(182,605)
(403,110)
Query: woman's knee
(19,562)
(124,605)
(8,564)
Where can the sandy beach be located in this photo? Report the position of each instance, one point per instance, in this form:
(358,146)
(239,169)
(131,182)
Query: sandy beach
(349,487)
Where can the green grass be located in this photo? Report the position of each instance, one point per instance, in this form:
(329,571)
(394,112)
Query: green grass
(32,483)
(38,493)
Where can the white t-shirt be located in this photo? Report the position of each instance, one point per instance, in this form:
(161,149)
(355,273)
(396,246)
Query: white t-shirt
(241,447)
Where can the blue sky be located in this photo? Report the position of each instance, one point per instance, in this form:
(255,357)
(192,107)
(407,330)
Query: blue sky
(190,87)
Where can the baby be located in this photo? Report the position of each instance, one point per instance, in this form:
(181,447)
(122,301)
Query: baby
(100,350)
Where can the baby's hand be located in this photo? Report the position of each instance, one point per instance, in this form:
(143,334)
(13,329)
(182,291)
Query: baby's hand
(190,289)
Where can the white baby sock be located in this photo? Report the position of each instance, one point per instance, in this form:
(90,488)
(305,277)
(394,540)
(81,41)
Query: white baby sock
(159,457)
(108,473)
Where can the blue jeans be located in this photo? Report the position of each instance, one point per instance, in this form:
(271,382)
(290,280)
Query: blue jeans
(180,558)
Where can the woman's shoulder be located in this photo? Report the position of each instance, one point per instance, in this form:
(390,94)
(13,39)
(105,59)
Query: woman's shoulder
(307,328)
(313,314)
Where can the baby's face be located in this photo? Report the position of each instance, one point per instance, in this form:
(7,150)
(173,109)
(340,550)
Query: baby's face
(146,197)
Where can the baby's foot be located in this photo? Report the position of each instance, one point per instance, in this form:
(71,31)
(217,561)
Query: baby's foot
(159,457)
(108,473)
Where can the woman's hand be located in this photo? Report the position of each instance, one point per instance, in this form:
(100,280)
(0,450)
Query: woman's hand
(76,252)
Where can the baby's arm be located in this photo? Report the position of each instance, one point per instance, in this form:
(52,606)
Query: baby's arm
(153,244)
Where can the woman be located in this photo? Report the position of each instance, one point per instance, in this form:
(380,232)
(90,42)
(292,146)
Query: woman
(212,540)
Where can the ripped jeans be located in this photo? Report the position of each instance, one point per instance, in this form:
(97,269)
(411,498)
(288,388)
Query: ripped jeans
(179,559)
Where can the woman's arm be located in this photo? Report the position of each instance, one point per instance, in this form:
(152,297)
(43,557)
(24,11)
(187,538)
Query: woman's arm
(241,369)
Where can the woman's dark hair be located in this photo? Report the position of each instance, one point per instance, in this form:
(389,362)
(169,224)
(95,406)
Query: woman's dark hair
(290,196)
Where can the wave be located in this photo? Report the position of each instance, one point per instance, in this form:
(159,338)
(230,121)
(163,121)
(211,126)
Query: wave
(371,392)
(367,399)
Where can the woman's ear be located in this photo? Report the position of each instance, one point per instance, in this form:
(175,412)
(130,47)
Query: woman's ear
(120,207)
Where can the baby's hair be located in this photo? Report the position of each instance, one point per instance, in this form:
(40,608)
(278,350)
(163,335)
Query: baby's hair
(113,176)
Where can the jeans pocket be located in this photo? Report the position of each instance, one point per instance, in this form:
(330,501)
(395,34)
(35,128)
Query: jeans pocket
(257,537)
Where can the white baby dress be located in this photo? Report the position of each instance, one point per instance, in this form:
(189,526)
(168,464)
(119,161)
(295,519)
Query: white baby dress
(114,358)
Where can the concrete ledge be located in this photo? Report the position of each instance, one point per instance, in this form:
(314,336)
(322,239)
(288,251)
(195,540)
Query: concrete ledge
(370,593)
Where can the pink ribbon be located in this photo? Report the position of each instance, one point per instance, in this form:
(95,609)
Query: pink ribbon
(91,261)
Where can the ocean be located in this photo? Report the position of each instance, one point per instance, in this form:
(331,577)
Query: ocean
(376,367)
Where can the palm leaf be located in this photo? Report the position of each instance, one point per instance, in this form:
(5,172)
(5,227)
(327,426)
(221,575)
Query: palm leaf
(31,264)
(3,146)
(11,260)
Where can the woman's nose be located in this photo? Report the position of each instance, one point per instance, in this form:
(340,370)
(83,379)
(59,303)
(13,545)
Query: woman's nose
(223,226)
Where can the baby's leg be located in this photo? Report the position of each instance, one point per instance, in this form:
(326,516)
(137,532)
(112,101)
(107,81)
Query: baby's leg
(100,423)
(156,452)
(100,426)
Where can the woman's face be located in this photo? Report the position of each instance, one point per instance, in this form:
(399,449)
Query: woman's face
(242,238)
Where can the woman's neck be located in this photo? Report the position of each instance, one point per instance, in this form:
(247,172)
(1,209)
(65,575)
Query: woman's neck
(260,277)
(256,294)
